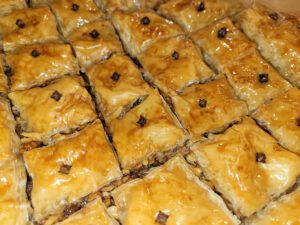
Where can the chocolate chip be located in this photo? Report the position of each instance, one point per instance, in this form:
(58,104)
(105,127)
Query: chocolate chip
(260,157)
(274,16)
(115,76)
(65,169)
(142,121)
(298,122)
(8,71)
(20,23)
(137,62)
(145,20)
(56,96)
(263,78)
(202,103)
(201,7)
(34,53)
(94,34)
(75,7)
(222,32)
(161,218)
(175,55)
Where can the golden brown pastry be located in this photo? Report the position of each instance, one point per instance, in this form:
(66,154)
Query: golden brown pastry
(139,29)
(277,37)
(37,64)
(28,26)
(117,84)
(209,107)
(170,194)
(8,6)
(247,166)
(72,14)
(193,15)
(39,3)
(282,118)
(4,72)
(254,80)
(94,42)
(70,169)
(173,64)
(146,130)
(222,43)
(59,107)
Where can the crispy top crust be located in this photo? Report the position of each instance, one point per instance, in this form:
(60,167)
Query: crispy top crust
(280,117)
(70,169)
(58,107)
(70,18)
(244,77)
(51,61)
(138,35)
(284,211)
(38,27)
(222,50)
(144,131)
(114,93)
(3,78)
(8,6)
(94,42)
(174,63)
(38,3)
(93,213)
(192,17)
(219,107)
(247,166)
(173,190)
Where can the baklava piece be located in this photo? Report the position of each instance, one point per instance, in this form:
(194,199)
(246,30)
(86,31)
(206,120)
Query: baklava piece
(59,107)
(175,63)
(281,117)
(210,107)
(28,26)
(72,14)
(254,80)
(94,42)
(193,15)
(247,166)
(144,132)
(37,64)
(70,169)
(117,84)
(170,194)
(277,38)
(286,210)
(222,43)
(4,73)
(93,213)
(8,6)
(139,29)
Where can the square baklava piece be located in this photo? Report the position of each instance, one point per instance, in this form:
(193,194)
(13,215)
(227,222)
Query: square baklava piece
(8,6)
(170,194)
(28,26)
(173,64)
(70,169)
(247,166)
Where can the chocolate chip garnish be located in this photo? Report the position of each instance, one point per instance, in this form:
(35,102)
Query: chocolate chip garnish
(115,76)
(56,96)
(263,78)
(175,55)
(142,121)
(94,34)
(8,71)
(65,169)
(75,7)
(202,103)
(222,32)
(274,16)
(298,122)
(161,218)
(260,157)
(137,62)
(20,23)
(201,7)
(34,53)
(145,20)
